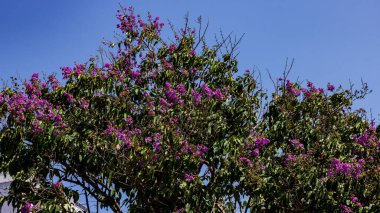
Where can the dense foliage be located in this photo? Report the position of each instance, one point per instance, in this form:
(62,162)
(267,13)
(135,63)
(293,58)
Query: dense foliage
(172,126)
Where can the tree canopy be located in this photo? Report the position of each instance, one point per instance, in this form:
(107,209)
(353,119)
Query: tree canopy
(172,125)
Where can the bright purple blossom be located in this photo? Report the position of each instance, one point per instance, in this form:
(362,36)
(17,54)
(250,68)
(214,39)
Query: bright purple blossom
(157,146)
(291,89)
(367,139)
(29,207)
(148,139)
(66,72)
(168,85)
(181,89)
(261,142)
(347,169)
(330,87)
(197,98)
(34,78)
(218,95)
(207,91)
(172,96)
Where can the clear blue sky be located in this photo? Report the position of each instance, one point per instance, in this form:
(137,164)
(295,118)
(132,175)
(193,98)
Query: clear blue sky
(331,41)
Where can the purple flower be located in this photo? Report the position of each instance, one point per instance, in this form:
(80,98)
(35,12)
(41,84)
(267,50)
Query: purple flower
(36,127)
(261,142)
(57,185)
(135,75)
(192,52)
(245,160)
(218,95)
(330,87)
(29,207)
(157,137)
(66,72)
(34,78)
(168,85)
(188,177)
(128,120)
(347,169)
(345,209)
(193,70)
(356,201)
(289,159)
(197,98)
(201,149)
(157,146)
(171,95)
(181,89)
(85,104)
(291,90)
(69,98)
(78,69)
(58,118)
(155,156)
(296,143)
(366,139)
(110,130)
(148,139)
(255,152)
(207,91)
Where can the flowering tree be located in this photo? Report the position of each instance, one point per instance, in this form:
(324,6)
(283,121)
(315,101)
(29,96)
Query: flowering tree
(172,126)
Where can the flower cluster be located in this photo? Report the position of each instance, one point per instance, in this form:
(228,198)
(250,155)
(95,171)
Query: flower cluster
(29,207)
(311,90)
(353,170)
(368,138)
(131,24)
(119,134)
(209,93)
(355,200)
(291,88)
(195,150)
(252,147)
(294,90)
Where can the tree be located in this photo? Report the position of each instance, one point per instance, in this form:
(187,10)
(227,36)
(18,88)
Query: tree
(171,126)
